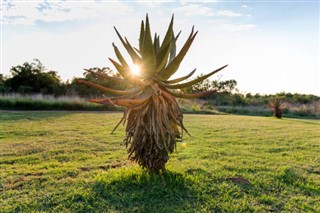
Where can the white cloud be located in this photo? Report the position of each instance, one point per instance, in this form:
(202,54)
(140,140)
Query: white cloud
(153,4)
(28,13)
(199,10)
(194,9)
(246,7)
(236,28)
(228,13)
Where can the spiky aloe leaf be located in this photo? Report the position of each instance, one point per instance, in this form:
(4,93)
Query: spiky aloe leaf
(107,77)
(135,57)
(133,54)
(156,44)
(127,74)
(162,57)
(141,37)
(173,49)
(129,102)
(190,83)
(191,96)
(168,36)
(174,65)
(124,71)
(120,57)
(119,102)
(106,89)
(148,52)
(104,101)
(177,80)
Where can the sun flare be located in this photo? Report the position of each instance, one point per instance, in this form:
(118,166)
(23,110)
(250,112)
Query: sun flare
(135,69)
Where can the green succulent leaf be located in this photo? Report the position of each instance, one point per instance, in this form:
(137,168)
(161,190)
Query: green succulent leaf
(119,102)
(106,89)
(174,65)
(148,52)
(120,57)
(168,36)
(104,101)
(141,38)
(174,47)
(107,77)
(124,71)
(162,57)
(135,57)
(190,83)
(190,96)
(133,54)
(177,80)
(156,44)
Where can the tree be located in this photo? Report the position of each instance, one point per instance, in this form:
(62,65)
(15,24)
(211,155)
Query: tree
(228,86)
(152,114)
(202,86)
(33,78)
(3,87)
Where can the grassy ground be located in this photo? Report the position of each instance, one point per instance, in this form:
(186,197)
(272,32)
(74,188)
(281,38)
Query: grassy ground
(62,162)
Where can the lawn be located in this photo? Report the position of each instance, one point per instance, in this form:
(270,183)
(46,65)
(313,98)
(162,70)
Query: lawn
(62,162)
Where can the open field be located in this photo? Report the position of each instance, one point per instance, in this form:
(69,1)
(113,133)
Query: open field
(62,162)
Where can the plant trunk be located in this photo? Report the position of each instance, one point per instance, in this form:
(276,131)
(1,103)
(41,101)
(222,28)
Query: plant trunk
(152,131)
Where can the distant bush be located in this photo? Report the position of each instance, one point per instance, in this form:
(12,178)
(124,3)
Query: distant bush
(245,110)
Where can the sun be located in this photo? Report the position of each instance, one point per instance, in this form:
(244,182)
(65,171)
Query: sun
(135,69)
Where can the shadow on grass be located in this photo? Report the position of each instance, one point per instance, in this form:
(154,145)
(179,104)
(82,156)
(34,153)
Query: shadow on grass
(169,192)
(293,178)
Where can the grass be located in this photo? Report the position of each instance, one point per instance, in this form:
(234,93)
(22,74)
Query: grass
(62,162)
(48,102)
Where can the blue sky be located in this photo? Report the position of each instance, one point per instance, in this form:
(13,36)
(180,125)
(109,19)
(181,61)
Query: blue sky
(270,46)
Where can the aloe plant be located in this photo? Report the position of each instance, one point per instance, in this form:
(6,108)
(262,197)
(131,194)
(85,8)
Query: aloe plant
(277,107)
(154,121)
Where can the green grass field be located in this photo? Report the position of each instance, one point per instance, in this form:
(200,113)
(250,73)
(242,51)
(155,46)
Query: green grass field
(69,162)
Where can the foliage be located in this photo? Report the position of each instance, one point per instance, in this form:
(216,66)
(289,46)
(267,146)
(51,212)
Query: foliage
(33,78)
(65,162)
(3,87)
(224,87)
(47,102)
(152,115)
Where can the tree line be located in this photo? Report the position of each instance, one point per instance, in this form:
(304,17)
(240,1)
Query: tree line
(34,78)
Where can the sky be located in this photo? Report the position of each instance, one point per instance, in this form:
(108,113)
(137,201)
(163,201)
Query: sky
(270,46)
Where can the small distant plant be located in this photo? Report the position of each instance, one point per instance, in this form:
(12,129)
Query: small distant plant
(277,106)
(152,115)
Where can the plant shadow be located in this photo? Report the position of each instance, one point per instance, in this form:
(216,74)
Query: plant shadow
(169,192)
